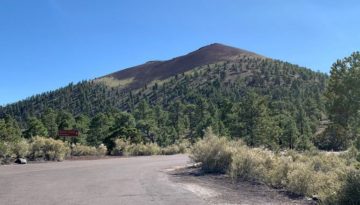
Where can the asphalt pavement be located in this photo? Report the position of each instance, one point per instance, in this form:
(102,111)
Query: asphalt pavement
(134,180)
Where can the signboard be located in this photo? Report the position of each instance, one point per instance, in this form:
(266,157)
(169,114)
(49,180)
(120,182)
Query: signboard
(68,133)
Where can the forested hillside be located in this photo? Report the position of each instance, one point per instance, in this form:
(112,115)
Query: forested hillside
(237,93)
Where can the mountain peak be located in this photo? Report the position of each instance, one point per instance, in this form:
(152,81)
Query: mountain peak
(159,70)
(225,50)
(217,46)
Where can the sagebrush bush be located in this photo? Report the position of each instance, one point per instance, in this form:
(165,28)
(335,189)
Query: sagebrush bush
(278,174)
(250,164)
(123,147)
(143,149)
(120,147)
(101,150)
(20,148)
(184,146)
(171,149)
(213,153)
(6,153)
(326,162)
(350,192)
(326,186)
(350,155)
(83,150)
(312,174)
(300,179)
(48,149)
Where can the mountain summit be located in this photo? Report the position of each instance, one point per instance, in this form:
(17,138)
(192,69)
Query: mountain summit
(213,73)
(138,76)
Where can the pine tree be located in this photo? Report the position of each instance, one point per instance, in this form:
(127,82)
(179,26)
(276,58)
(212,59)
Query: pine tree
(9,130)
(49,121)
(343,99)
(35,128)
(99,129)
(65,120)
(82,123)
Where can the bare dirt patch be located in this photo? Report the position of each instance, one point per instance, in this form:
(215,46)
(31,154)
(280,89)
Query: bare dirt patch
(219,189)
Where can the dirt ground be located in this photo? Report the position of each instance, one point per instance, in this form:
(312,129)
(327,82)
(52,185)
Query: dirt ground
(219,189)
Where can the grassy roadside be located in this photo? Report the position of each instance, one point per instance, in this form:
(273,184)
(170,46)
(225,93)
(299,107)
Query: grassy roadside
(332,179)
(48,149)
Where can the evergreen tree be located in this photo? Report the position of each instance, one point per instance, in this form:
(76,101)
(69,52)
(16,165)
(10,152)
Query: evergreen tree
(82,123)
(99,129)
(65,120)
(36,128)
(49,121)
(9,129)
(123,127)
(343,101)
(290,132)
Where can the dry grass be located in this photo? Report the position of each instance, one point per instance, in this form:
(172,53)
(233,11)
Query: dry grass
(311,174)
(112,82)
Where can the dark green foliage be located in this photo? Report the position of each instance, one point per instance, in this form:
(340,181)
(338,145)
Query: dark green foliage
(35,128)
(290,133)
(334,138)
(49,121)
(65,120)
(123,128)
(343,102)
(82,123)
(99,129)
(263,101)
(351,190)
(9,130)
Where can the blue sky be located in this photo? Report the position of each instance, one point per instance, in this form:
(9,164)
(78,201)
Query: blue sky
(46,44)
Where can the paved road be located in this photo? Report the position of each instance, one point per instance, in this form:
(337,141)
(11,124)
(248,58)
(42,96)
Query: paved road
(136,181)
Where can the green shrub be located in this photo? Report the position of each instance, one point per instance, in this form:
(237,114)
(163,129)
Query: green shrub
(325,162)
(213,153)
(11,150)
(326,187)
(123,147)
(184,146)
(333,138)
(178,147)
(142,149)
(249,164)
(312,174)
(20,148)
(101,150)
(120,147)
(277,176)
(350,156)
(5,153)
(350,192)
(83,150)
(357,142)
(292,154)
(171,149)
(48,149)
(300,179)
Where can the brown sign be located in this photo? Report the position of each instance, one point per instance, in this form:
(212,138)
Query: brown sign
(68,133)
